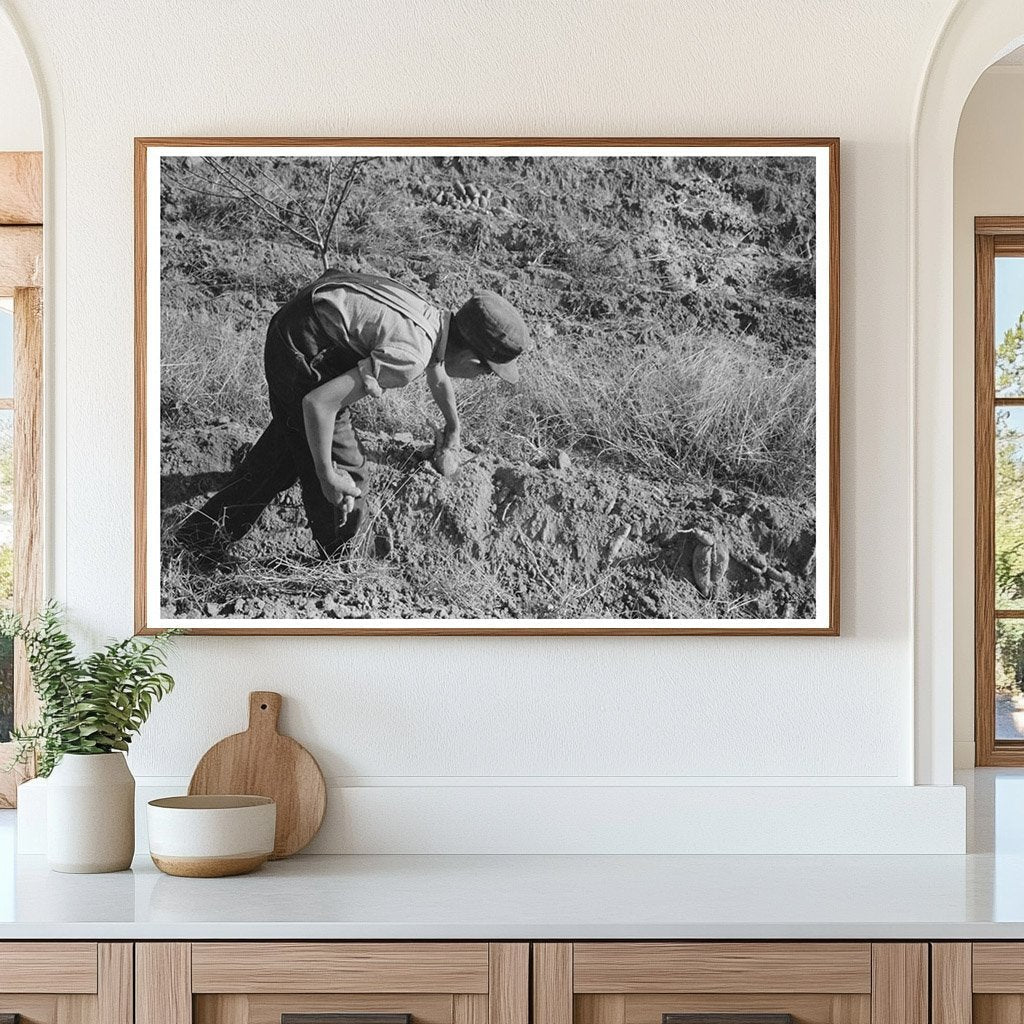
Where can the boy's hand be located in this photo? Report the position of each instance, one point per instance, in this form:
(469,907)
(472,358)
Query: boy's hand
(446,451)
(340,490)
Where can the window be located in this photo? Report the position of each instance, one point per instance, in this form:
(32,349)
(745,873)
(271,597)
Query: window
(21,364)
(20,493)
(999,490)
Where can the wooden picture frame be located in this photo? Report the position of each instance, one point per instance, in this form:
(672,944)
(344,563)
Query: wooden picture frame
(152,616)
(21,279)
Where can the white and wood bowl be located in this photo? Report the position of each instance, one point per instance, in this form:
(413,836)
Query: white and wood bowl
(211,836)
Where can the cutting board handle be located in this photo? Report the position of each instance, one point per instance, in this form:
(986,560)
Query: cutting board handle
(264,710)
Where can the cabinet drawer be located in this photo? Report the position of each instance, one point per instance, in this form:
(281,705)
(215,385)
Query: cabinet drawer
(332,983)
(998,967)
(730,983)
(340,967)
(773,982)
(66,982)
(634,967)
(65,967)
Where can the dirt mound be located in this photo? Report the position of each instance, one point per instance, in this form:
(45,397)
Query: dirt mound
(547,538)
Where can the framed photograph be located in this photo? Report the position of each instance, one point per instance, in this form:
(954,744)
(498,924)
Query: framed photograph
(493,386)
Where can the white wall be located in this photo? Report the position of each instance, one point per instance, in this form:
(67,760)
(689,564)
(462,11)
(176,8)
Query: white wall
(457,712)
(987,182)
(20,124)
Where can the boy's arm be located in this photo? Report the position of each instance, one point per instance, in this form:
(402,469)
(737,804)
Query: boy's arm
(444,397)
(320,409)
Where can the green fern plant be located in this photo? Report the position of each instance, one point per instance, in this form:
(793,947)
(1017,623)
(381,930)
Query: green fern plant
(90,705)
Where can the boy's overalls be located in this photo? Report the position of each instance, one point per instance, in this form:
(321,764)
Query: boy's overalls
(298,357)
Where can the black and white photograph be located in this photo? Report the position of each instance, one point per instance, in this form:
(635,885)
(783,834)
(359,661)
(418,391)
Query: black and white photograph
(411,386)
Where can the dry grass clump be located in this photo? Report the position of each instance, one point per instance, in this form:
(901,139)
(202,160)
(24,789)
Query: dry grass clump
(712,409)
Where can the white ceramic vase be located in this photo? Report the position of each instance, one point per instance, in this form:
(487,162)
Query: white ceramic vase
(90,814)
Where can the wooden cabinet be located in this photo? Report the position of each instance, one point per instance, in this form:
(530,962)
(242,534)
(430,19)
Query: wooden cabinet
(66,982)
(750,982)
(305,982)
(978,983)
(494,983)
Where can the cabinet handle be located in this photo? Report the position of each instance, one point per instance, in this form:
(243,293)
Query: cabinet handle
(337,1018)
(727,1018)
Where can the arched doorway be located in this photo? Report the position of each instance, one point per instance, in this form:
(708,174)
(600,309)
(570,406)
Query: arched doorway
(977,33)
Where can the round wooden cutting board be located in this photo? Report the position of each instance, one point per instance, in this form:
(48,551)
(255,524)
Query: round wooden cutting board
(262,762)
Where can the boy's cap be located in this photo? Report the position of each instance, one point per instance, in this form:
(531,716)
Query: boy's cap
(494,330)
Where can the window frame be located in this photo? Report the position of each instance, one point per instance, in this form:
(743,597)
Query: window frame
(21,278)
(993,237)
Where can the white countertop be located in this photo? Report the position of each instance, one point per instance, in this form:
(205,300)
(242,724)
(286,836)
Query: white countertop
(496,897)
(977,896)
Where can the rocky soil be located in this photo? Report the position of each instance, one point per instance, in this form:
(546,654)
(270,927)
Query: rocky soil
(548,538)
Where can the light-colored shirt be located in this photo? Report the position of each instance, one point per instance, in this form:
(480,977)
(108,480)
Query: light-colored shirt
(391,328)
